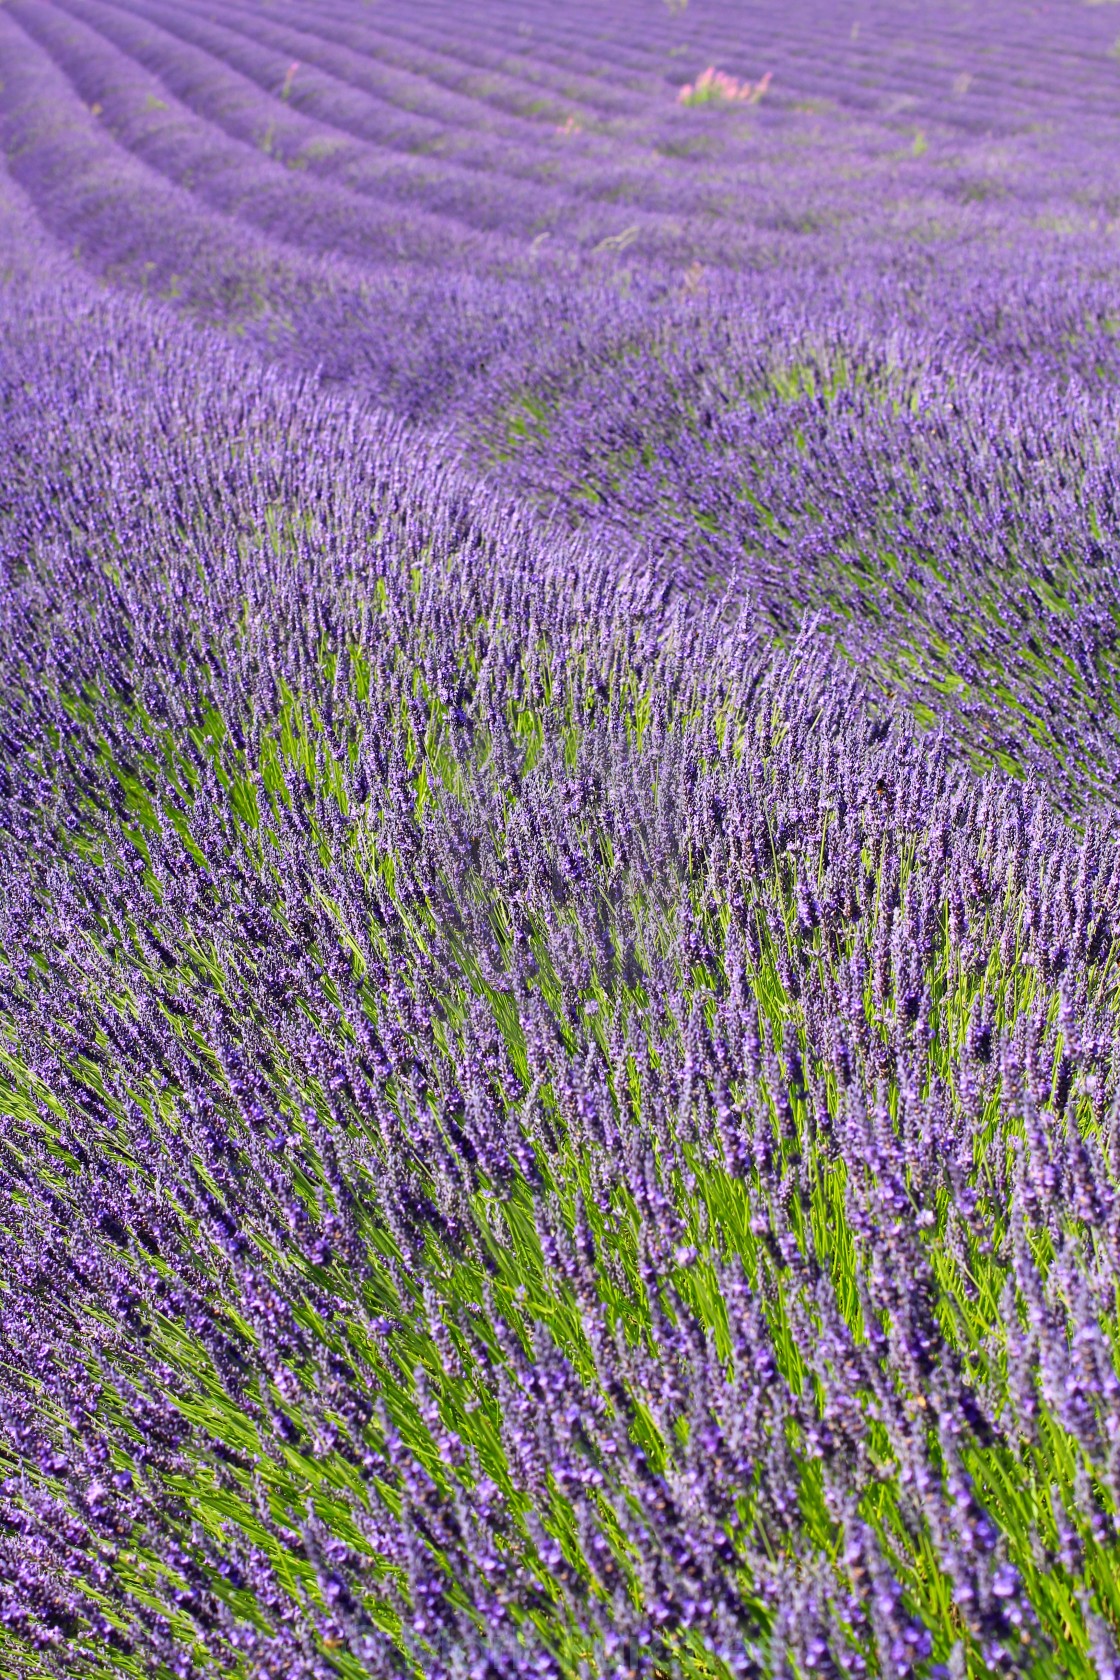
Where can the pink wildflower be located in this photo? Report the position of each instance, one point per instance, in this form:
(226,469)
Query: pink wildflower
(714,86)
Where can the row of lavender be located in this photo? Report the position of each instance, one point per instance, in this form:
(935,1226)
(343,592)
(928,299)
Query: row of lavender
(541,1135)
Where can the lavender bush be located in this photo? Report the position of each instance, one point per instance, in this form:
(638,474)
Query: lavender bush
(559,1048)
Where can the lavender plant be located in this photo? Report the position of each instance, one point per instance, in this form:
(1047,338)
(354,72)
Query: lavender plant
(558,1014)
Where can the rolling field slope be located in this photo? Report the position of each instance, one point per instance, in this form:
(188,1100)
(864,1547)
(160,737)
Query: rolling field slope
(559,736)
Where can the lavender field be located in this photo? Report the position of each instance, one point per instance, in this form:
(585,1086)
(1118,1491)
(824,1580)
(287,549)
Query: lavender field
(559,839)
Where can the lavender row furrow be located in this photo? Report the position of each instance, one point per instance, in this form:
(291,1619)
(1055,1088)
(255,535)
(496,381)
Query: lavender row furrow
(238,179)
